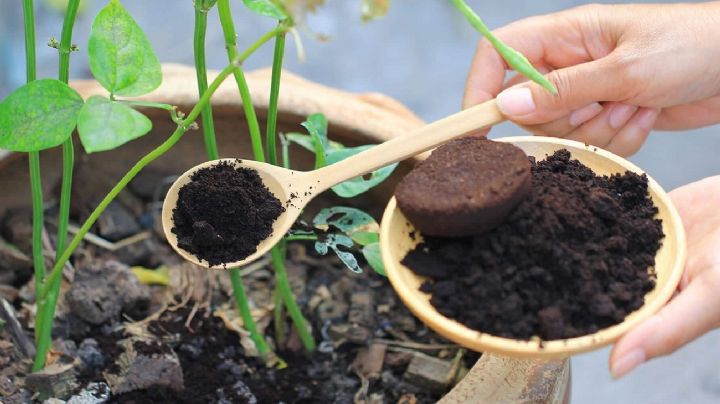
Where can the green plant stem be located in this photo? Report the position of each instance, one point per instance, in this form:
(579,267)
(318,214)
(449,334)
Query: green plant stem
(46,306)
(211,148)
(29,24)
(148,158)
(34,157)
(513,58)
(208,126)
(279,319)
(248,321)
(38,214)
(271,126)
(38,218)
(68,152)
(253,127)
(66,40)
(148,104)
(283,287)
(228,28)
(298,237)
(285,145)
(175,115)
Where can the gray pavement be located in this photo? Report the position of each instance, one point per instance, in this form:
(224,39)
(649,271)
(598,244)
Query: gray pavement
(418,54)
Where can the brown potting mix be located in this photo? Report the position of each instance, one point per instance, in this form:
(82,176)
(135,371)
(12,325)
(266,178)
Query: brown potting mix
(572,258)
(444,196)
(224,213)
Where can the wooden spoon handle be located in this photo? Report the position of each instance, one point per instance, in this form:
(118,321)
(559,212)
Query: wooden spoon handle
(400,148)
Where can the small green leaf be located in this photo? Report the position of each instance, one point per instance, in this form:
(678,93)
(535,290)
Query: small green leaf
(147,276)
(306,142)
(2,325)
(333,242)
(371,252)
(358,185)
(39,115)
(316,125)
(373,9)
(104,124)
(365,237)
(343,218)
(121,57)
(266,8)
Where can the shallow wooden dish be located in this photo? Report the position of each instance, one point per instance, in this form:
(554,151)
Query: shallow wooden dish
(670,261)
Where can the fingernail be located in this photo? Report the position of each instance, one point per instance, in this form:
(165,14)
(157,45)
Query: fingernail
(620,115)
(627,363)
(584,114)
(516,101)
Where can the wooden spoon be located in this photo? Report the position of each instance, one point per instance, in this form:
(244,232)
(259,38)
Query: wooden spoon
(304,186)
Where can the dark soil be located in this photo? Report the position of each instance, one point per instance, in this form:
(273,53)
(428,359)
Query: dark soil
(350,314)
(215,367)
(571,259)
(224,213)
(466,187)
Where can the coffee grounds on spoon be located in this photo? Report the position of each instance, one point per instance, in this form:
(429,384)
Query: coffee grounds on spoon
(571,259)
(224,213)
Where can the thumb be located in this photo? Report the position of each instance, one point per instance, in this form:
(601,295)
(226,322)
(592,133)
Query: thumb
(579,85)
(693,312)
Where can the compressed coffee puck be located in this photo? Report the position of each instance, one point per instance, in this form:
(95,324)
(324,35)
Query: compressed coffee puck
(466,187)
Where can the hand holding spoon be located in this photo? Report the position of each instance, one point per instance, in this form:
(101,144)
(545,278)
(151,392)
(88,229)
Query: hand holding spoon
(306,185)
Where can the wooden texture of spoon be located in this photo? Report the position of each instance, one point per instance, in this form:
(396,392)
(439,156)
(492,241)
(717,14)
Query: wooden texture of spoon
(296,188)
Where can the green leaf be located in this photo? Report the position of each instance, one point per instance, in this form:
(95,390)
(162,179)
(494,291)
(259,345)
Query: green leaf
(347,220)
(306,142)
(371,252)
(39,115)
(316,125)
(104,124)
(333,242)
(121,57)
(373,9)
(358,185)
(147,276)
(365,237)
(266,8)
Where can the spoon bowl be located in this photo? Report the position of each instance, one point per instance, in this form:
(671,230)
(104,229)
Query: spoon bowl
(396,241)
(292,188)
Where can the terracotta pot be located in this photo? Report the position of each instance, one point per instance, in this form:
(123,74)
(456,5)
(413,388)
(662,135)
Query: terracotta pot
(354,119)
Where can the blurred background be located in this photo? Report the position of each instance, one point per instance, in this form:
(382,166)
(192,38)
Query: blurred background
(419,54)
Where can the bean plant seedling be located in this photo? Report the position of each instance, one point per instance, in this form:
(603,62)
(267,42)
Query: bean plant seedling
(44,113)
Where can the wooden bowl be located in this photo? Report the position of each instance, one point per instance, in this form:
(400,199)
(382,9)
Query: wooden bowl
(669,264)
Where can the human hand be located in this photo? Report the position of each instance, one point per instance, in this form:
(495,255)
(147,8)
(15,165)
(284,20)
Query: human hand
(620,70)
(695,309)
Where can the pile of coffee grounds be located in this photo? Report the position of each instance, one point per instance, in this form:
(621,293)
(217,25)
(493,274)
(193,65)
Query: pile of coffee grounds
(574,257)
(223,213)
(466,187)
